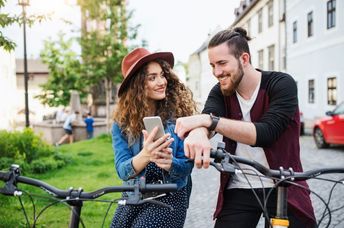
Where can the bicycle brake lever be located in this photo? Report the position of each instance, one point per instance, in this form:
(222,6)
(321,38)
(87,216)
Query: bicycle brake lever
(229,168)
(217,166)
(157,203)
(10,187)
(137,201)
(225,167)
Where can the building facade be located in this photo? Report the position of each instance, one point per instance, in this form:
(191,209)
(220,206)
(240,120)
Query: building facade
(8,94)
(304,38)
(315,43)
(38,74)
(200,79)
(264,21)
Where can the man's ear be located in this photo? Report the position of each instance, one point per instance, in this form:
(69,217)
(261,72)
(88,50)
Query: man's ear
(245,58)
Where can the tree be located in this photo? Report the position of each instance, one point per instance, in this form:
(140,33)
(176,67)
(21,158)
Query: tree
(64,72)
(7,20)
(104,46)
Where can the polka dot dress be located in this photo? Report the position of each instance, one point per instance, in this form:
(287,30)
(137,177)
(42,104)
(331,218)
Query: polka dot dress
(150,215)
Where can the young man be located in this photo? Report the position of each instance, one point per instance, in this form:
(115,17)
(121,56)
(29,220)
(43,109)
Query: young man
(257,113)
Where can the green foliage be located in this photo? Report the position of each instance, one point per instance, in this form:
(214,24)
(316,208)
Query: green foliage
(29,151)
(64,72)
(7,20)
(104,49)
(88,172)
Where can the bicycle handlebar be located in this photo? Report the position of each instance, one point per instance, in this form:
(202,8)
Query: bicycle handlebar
(228,164)
(13,176)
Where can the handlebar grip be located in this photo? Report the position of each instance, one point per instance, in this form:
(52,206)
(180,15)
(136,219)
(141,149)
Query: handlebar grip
(4,176)
(159,188)
(217,154)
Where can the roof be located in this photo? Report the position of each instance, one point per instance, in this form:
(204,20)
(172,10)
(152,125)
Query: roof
(243,9)
(205,43)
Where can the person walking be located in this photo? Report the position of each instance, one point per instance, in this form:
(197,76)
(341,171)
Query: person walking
(68,129)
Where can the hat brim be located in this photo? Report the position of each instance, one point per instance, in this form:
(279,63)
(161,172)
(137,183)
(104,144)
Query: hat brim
(167,56)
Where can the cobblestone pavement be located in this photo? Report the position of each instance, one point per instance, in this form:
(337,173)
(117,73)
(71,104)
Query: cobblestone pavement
(206,182)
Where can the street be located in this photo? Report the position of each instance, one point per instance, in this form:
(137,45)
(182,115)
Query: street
(206,182)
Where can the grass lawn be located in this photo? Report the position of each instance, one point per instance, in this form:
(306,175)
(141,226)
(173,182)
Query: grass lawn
(92,167)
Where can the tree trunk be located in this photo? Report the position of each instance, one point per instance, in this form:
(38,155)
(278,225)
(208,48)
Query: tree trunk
(108,88)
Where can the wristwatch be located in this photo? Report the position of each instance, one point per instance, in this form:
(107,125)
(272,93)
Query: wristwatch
(214,122)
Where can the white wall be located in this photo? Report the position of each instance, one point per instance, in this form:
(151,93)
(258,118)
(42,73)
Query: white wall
(317,57)
(8,95)
(208,80)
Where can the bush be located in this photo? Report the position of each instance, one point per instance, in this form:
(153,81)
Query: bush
(29,151)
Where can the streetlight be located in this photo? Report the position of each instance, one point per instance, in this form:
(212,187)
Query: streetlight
(25,3)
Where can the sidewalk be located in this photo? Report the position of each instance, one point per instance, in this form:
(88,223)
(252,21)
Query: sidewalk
(203,198)
(205,185)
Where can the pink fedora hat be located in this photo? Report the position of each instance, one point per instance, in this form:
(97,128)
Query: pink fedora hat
(137,58)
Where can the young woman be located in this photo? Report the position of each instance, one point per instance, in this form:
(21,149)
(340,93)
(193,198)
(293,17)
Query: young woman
(151,88)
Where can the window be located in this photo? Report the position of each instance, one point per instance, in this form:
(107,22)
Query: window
(311,91)
(310,24)
(260,21)
(332,91)
(270,13)
(294,31)
(331,14)
(261,59)
(271,57)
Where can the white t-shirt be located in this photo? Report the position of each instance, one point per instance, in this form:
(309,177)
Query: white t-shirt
(68,123)
(249,152)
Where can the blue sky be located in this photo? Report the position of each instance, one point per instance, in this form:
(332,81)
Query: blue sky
(179,26)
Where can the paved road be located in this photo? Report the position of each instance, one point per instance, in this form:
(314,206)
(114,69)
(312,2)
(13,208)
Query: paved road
(205,187)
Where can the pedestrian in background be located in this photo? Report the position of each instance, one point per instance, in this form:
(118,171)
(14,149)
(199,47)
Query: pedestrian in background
(89,125)
(68,128)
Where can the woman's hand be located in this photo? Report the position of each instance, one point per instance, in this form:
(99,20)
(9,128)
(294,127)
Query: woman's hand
(163,158)
(150,147)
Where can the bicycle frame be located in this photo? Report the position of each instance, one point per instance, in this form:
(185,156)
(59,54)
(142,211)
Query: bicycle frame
(75,197)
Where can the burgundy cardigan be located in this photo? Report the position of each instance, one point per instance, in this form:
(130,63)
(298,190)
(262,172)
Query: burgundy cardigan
(275,115)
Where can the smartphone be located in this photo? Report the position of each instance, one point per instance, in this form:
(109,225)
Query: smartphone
(152,121)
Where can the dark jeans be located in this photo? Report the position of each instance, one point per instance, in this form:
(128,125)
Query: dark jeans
(241,209)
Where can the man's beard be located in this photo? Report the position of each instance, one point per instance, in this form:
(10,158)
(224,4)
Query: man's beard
(235,79)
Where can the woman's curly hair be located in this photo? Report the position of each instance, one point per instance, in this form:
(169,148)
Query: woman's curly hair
(133,103)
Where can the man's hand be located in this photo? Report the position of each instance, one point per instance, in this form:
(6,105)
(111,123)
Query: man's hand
(197,146)
(186,124)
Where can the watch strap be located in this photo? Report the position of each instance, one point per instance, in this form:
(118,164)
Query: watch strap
(214,122)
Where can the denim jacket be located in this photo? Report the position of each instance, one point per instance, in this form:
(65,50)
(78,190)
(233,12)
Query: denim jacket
(181,167)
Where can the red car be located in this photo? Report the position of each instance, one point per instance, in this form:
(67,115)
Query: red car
(330,129)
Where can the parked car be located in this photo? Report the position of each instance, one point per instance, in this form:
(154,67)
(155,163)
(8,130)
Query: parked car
(330,129)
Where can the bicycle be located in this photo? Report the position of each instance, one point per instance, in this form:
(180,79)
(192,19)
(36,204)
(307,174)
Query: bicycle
(226,162)
(75,197)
